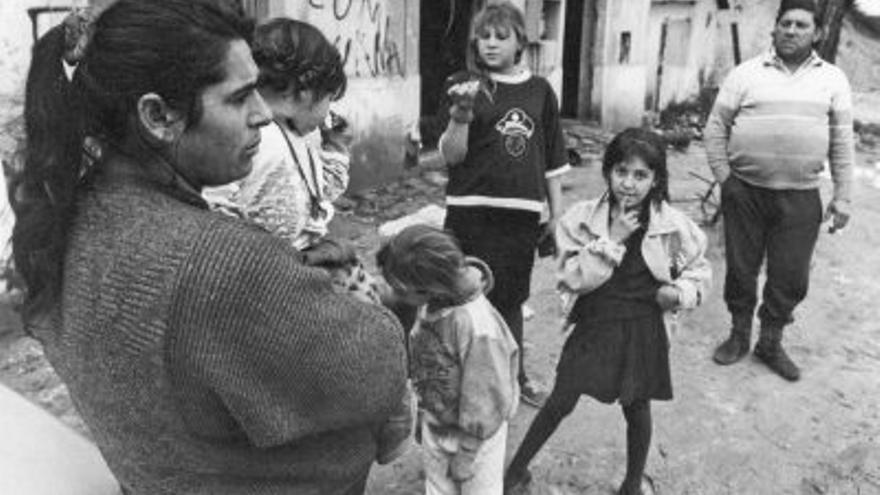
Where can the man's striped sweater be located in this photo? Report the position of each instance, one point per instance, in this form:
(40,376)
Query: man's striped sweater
(775,128)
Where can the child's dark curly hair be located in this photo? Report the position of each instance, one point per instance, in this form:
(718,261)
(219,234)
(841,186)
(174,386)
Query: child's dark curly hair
(650,147)
(294,55)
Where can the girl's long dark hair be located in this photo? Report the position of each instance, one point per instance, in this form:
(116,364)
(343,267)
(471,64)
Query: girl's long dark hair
(174,48)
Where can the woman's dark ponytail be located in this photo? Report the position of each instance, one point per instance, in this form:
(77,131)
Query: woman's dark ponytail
(42,194)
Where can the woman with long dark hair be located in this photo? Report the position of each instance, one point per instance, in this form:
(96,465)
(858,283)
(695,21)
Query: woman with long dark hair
(202,355)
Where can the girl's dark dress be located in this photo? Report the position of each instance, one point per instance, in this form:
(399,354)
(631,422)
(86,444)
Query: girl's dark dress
(619,348)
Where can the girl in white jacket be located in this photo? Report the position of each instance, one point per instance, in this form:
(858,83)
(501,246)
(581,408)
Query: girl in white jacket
(627,259)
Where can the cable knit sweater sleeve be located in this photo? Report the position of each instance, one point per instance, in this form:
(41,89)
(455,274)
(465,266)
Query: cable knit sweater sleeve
(286,356)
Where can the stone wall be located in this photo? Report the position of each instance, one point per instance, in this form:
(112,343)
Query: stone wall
(621,51)
(859,56)
(691,33)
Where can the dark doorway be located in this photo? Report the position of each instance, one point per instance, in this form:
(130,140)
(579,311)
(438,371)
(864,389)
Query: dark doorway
(571,57)
(577,58)
(442,45)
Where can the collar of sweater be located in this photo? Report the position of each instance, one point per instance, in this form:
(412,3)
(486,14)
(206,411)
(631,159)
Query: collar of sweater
(771,58)
(118,167)
(520,76)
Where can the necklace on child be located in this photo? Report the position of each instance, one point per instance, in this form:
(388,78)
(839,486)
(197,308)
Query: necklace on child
(316,211)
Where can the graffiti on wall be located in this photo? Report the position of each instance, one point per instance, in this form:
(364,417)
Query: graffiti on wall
(361,32)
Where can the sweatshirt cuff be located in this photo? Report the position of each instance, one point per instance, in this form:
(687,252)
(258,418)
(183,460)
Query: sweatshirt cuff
(842,193)
(608,249)
(556,172)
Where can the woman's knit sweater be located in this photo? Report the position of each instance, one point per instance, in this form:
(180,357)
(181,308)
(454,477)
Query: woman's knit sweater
(206,359)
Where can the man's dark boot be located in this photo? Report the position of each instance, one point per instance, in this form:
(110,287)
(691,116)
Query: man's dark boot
(737,345)
(769,350)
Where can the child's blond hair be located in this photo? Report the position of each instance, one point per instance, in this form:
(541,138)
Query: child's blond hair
(499,15)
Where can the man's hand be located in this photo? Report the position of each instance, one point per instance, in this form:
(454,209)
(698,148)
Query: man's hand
(838,214)
(668,297)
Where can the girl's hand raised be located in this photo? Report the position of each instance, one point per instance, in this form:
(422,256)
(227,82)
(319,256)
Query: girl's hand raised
(623,224)
(463,95)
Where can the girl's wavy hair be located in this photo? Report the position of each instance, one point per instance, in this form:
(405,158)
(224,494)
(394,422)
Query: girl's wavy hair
(498,16)
(174,48)
(294,55)
(646,145)
(424,259)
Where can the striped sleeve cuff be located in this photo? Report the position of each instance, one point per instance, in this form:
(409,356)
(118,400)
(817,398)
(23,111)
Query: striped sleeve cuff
(556,172)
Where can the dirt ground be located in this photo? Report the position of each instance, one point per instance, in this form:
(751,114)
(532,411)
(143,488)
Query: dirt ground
(733,430)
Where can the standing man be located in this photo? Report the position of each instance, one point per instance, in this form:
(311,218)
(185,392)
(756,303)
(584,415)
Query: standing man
(777,119)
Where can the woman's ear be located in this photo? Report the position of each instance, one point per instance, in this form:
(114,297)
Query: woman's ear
(161,123)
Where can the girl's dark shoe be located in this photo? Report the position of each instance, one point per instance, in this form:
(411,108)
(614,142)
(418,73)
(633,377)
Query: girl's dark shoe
(517,482)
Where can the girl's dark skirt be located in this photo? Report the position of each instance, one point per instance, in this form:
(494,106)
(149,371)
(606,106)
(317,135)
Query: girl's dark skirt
(617,359)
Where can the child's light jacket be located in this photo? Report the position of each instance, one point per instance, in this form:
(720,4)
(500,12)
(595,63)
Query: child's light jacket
(674,249)
(464,362)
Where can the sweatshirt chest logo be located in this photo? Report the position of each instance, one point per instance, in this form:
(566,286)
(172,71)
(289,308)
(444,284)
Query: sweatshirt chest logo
(516,127)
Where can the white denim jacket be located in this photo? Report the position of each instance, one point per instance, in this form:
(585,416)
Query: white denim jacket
(674,249)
